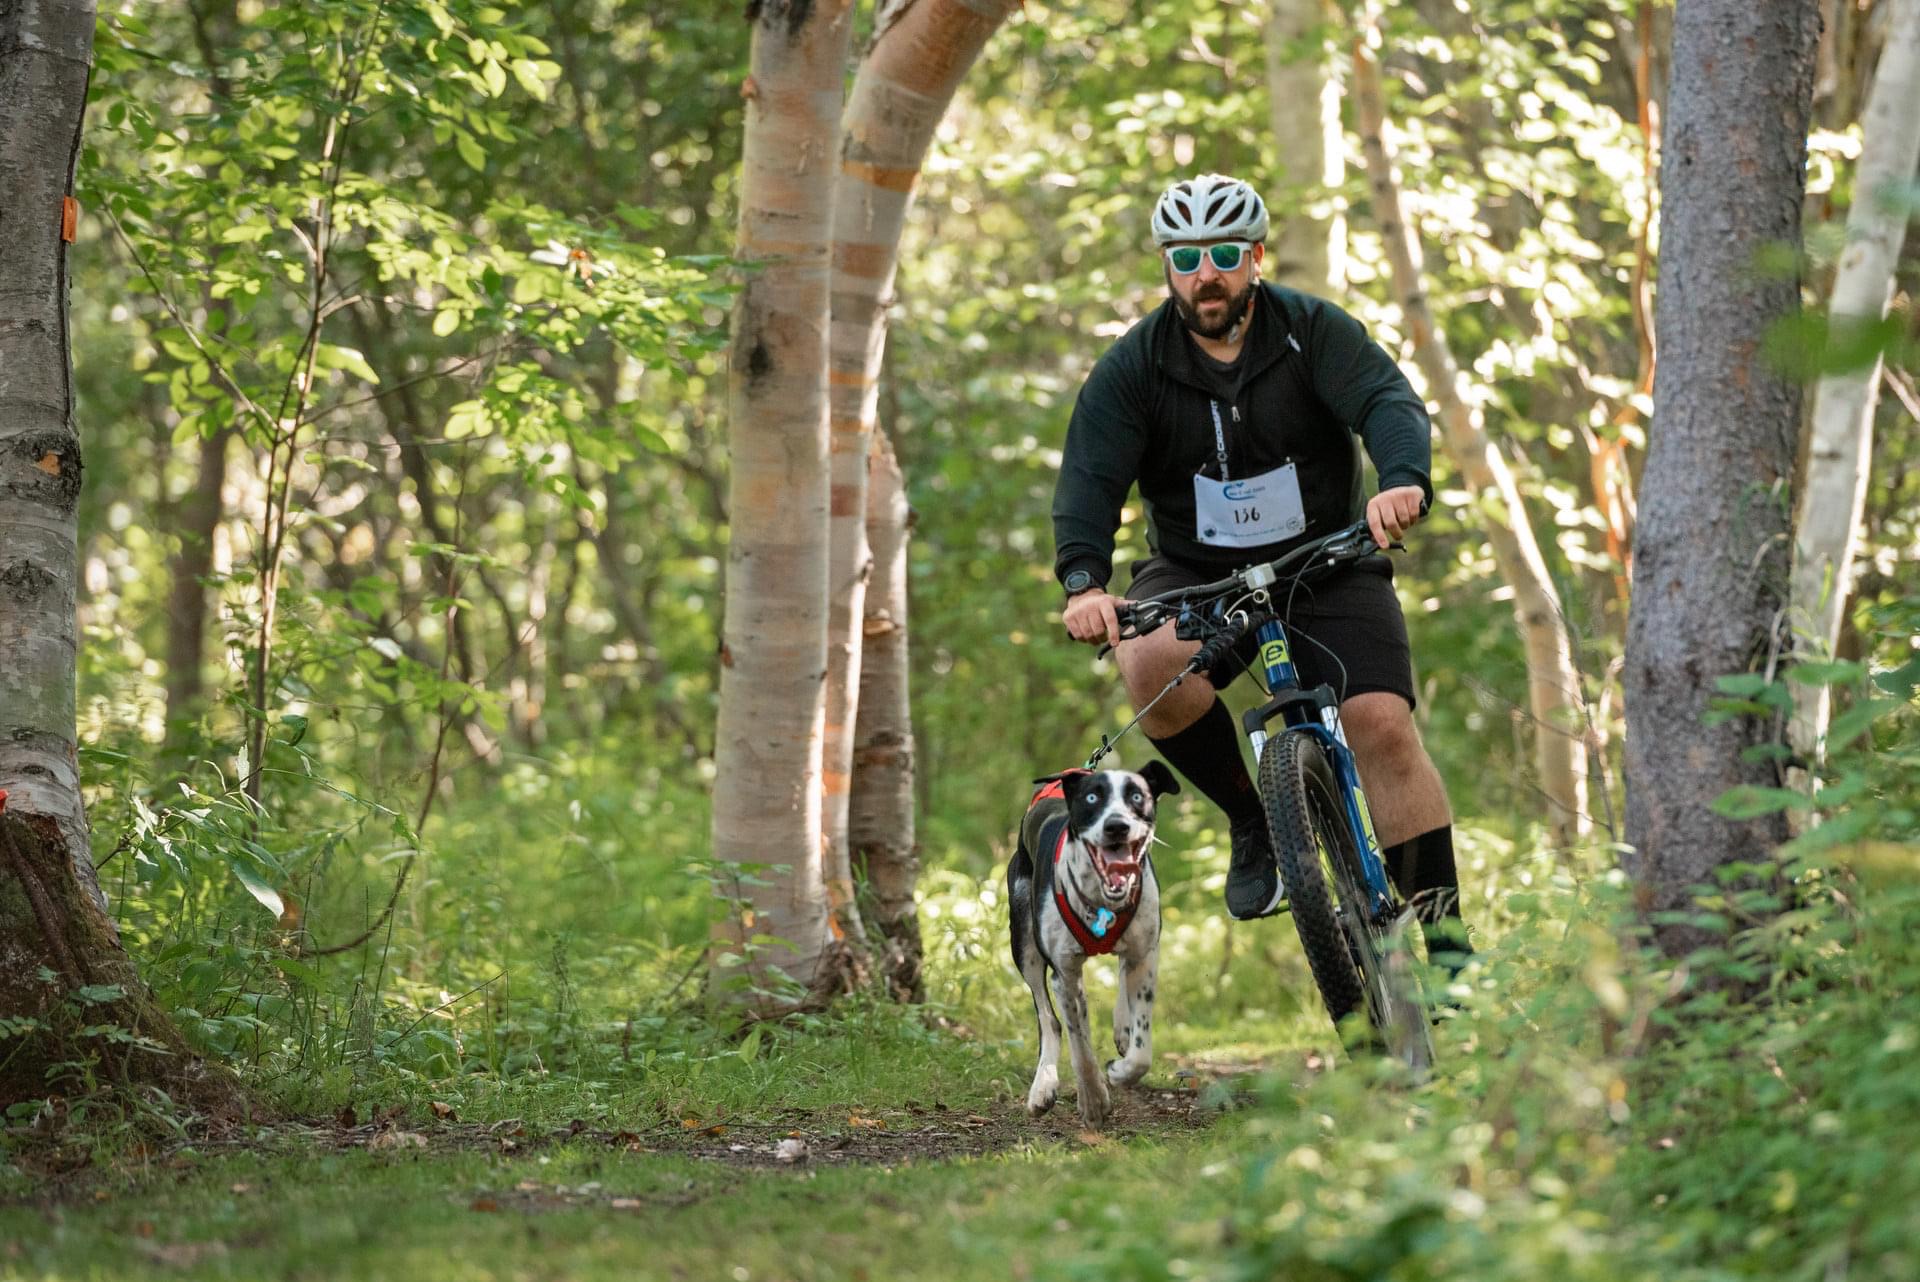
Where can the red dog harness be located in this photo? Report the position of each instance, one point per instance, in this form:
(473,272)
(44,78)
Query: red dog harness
(1099,936)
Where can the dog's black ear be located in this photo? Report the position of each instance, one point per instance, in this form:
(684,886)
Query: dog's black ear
(1160,780)
(1063,776)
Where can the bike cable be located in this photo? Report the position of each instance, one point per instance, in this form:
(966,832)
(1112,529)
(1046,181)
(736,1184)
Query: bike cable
(1229,636)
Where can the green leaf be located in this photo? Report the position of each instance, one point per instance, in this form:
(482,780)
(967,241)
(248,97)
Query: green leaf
(328,356)
(527,72)
(1826,673)
(445,321)
(470,151)
(750,1048)
(260,890)
(1851,724)
(295,969)
(1750,801)
(247,233)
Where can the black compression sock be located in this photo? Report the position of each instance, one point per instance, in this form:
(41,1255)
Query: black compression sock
(1422,870)
(1207,753)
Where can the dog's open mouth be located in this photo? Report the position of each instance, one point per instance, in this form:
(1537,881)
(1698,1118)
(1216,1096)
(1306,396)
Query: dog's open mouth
(1118,865)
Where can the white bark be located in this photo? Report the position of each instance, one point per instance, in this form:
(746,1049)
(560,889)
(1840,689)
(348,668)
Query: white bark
(1303,98)
(1827,516)
(45,58)
(774,635)
(903,88)
(880,824)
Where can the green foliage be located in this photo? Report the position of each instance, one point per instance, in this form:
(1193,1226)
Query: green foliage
(501,450)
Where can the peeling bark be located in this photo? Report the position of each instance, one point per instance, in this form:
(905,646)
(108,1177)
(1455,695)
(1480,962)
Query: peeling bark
(881,819)
(55,934)
(773,660)
(904,86)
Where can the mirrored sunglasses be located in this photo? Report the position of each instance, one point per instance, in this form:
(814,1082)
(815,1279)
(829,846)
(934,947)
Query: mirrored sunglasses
(1185,259)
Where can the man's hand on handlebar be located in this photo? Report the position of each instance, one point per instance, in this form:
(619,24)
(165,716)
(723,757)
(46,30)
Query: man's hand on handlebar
(1391,513)
(1090,618)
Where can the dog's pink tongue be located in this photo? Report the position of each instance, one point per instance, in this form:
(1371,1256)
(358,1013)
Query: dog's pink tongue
(1120,869)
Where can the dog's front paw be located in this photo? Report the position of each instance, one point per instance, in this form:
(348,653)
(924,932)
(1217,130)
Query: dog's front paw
(1096,1105)
(1122,1072)
(1043,1093)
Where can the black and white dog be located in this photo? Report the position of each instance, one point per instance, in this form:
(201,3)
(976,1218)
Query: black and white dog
(1081,884)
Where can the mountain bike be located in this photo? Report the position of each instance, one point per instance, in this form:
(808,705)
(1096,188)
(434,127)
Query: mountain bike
(1352,926)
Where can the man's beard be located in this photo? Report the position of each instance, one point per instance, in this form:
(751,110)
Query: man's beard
(1229,319)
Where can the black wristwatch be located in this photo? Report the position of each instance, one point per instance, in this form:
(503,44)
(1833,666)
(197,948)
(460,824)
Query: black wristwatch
(1077,582)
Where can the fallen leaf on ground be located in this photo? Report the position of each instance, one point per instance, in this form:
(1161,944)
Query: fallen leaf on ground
(626,1203)
(854,1119)
(443,1111)
(484,1204)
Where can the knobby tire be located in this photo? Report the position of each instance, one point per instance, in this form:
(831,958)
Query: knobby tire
(1306,818)
(1301,798)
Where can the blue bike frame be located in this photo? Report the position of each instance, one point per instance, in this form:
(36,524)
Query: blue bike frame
(1317,713)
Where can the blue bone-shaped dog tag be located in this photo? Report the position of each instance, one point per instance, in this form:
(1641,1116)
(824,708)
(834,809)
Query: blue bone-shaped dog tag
(1101,921)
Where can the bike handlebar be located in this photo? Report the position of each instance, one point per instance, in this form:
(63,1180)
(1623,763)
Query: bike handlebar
(1344,546)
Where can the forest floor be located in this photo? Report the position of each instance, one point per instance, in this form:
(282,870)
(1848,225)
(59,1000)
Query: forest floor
(967,1186)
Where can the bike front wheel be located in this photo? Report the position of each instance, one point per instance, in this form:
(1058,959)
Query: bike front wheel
(1360,967)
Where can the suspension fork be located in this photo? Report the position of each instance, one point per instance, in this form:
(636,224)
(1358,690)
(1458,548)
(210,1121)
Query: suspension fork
(1317,712)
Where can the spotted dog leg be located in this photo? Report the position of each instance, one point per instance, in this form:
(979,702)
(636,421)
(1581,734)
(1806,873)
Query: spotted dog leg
(1095,1103)
(1046,1075)
(1134,1039)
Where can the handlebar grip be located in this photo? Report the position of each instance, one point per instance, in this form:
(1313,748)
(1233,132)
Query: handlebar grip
(1216,647)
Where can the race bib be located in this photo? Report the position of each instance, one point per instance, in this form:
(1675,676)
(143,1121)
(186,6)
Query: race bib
(1251,513)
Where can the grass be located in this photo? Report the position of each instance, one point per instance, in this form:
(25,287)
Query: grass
(1595,1116)
(1564,1137)
(580,1212)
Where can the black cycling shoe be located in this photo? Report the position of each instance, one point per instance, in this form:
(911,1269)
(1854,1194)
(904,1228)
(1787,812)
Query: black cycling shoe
(1253,876)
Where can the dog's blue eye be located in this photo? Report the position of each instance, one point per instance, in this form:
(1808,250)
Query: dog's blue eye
(1093,797)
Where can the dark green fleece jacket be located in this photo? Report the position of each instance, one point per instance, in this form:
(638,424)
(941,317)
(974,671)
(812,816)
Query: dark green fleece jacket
(1310,387)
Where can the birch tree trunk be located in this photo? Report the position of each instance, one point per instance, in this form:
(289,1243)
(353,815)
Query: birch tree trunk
(1304,107)
(881,822)
(773,652)
(1711,563)
(1553,684)
(53,917)
(920,51)
(1834,492)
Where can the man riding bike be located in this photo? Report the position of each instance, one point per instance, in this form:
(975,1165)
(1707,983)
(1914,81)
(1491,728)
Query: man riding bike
(1239,407)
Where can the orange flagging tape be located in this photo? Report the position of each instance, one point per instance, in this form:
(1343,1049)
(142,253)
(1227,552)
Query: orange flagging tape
(69,218)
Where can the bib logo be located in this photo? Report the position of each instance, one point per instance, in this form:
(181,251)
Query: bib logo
(1236,491)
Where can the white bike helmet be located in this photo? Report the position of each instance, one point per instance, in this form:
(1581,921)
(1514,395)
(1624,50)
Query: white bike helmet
(1210,207)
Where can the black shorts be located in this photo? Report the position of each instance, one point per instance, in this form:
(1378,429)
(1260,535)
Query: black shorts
(1345,630)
